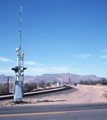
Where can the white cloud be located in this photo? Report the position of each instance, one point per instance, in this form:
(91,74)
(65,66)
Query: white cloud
(49,70)
(40,64)
(84,55)
(5,59)
(33,63)
(7,71)
(30,63)
(59,68)
(103,56)
(104,50)
(4,71)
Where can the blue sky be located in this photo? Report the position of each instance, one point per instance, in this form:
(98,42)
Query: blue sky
(58,36)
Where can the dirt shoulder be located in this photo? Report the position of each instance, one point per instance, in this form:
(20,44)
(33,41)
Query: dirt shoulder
(80,94)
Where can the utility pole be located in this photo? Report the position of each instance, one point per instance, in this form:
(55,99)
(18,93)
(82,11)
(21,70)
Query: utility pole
(8,83)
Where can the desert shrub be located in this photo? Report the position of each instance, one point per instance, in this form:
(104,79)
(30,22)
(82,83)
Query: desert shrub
(41,84)
(34,85)
(3,88)
(48,84)
(81,82)
(28,87)
(75,84)
(90,82)
(54,82)
(103,81)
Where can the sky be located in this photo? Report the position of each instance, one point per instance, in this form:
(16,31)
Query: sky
(58,36)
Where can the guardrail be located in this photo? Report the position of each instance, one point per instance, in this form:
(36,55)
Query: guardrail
(37,92)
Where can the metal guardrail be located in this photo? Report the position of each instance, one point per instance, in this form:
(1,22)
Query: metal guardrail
(37,92)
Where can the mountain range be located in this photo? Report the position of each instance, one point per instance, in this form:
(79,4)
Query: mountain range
(53,77)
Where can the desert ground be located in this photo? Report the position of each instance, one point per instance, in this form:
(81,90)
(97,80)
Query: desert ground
(80,94)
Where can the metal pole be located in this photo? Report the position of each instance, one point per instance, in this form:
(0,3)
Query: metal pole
(20,35)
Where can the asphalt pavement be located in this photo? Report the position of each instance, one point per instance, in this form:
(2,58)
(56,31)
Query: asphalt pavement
(55,112)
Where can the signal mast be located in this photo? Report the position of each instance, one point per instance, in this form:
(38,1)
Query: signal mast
(18,88)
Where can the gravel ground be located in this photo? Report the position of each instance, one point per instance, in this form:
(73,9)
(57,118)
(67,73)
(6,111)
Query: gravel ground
(80,94)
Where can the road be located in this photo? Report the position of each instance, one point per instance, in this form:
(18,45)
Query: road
(55,112)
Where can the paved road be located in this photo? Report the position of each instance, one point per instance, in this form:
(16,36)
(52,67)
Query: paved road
(55,112)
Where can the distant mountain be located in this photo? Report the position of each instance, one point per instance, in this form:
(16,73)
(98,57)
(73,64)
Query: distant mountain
(53,77)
